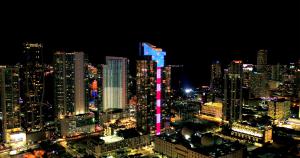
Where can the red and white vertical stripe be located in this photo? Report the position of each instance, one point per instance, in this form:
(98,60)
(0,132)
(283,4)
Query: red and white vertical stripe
(158,100)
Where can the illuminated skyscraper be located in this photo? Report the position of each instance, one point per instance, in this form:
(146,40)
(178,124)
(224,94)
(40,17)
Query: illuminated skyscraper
(166,93)
(93,81)
(32,88)
(146,94)
(233,92)
(159,56)
(10,101)
(216,70)
(216,78)
(262,60)
(115,74)
(69,84)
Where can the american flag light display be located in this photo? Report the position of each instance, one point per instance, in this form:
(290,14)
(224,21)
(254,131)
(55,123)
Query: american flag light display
(159,56)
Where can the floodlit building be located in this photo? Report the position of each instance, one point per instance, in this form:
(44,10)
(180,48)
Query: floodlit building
(212,109)
(115,76)
(279,109)
(260,135)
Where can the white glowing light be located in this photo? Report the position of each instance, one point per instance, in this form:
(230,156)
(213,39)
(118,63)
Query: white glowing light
(188,90)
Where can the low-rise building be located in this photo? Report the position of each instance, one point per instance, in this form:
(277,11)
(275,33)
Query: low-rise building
(261,134)
(213,109)
(179,149)
(100,148)
(77,125)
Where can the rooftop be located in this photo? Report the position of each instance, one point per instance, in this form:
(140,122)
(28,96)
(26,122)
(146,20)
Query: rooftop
(205,143)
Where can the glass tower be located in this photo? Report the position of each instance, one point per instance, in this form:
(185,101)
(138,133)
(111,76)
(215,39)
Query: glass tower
(10,100)
(32,86)
(69,84)
(233,92)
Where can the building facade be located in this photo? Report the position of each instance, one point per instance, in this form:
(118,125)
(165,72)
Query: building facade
(259,135)
(69,85)
(213,109)
(72,126)
(158,55)
(32,86)
(216,78)
(279,109)
(262,60)
(233,92)
(115,74)
(93,84)
(11,130)
(146,95)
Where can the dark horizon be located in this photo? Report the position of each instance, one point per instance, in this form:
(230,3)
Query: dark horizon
(194,37)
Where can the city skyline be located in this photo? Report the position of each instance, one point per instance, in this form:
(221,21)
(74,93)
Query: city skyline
(192,80)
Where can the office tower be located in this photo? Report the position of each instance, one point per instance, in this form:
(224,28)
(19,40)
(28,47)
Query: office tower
(115,74)
(233,92)
(216,78)
(157,55)
(261,60)
(69,86)
(32,86)
(146,94)
(10,107)
(279,109)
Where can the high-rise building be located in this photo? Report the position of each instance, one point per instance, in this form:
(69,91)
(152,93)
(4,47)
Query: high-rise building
(10,107)
(233,92)
(276,72)
(216,78)
(115,74)
(93,81)
(32,86)
(262,60)
(158,55)
(146,94)
(69,84)
(166,93)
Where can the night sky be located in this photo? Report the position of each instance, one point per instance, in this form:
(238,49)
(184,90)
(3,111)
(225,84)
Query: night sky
(192,34)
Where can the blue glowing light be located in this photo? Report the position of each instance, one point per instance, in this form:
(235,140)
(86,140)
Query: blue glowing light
(94,93)
(156,53)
